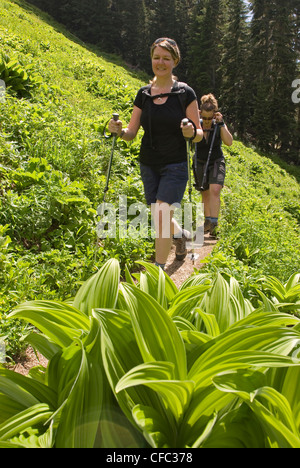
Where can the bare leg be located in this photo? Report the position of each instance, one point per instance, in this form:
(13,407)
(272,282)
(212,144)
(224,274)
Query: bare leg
(206,203)
(162,215)
(211,201)
(214,200)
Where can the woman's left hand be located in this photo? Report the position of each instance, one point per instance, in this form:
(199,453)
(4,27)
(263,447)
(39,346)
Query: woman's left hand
(187,130)
(218,117)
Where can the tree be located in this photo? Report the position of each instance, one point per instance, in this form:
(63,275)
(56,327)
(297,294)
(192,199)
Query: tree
(248,61)
(234,66)
(273,64)
(204,40)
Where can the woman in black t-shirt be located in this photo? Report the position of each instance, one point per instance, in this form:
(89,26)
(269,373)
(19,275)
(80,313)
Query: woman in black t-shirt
(210,117)
(160,109)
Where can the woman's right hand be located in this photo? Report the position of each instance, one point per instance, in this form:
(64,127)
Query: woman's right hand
(115,127)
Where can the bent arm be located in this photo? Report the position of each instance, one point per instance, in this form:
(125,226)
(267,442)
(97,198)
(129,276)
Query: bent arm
(226,136)
(225,133)
(192,113)
(130,132)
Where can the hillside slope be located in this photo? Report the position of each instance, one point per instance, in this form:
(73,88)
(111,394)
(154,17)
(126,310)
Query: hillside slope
(53,162)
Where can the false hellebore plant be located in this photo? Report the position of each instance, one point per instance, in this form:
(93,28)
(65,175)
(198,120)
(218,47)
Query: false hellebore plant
(143,364)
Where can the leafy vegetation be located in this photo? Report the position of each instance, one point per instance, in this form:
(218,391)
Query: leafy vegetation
(143,364)
(260,215)
(215,363)
(54,161)
(246,53)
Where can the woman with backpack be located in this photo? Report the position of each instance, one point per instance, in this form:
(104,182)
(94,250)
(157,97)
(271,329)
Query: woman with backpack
(212,184)
(160,109)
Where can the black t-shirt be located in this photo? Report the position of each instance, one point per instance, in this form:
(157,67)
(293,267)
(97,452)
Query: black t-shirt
(163,142)
(203,147)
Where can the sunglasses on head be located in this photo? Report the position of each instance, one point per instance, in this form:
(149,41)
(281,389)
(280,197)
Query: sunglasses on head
(163,39)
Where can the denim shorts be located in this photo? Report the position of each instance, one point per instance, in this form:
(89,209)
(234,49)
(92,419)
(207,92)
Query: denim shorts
(215,173)
(166,183)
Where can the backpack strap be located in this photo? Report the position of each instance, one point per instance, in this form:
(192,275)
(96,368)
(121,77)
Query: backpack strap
(179,89)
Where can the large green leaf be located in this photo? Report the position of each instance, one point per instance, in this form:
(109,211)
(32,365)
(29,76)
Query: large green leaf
(185,301)
(236,428)
(101,290)
(209,321)
(80,387)
(272,408)
(40,342)
(217,302)
(205,403)
(119,348)
(226,302)
(9,407)
(156,429)
(159,284)
(156,334)
(176,394)
(236,346)
(120,354)
(25,420)
(287,382)
(25,391)
(59,321)
(203,373)
(197,279)
(283,292)
(261,317)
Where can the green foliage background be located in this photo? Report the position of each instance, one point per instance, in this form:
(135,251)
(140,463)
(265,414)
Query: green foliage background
(53,162)
(214,363)
(246,53)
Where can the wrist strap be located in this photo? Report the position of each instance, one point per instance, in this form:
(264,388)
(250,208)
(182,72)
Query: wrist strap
(195,130)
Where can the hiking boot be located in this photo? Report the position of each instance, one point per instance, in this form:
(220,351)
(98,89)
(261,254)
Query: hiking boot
(213,230)
(180,244)
(207,224)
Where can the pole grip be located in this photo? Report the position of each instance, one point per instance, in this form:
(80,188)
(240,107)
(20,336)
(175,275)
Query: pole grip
(184,123)
(115,118)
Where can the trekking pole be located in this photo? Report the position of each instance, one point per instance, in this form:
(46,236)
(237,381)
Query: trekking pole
(101,207)
(114,136)
(208,158)
(188,152)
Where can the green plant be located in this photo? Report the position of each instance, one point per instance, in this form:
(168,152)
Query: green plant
(142,363)
(255,228)
(18,79)
(53,163)
(286,296)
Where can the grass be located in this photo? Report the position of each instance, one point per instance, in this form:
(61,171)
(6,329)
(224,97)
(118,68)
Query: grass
(260,215)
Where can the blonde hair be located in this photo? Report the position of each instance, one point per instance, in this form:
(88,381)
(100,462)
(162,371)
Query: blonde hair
(168,44)
(209,103)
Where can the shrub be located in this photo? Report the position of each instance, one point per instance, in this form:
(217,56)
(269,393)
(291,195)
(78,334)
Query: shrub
(19,80)
(143,364)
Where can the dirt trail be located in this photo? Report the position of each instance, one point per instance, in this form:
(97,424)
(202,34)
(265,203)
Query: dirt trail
(178,272)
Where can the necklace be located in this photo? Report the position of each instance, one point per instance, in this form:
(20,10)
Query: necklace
(161,91)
